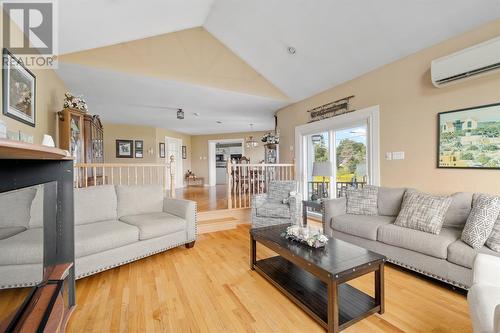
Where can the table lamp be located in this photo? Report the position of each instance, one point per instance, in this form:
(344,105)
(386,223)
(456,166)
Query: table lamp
(323,169)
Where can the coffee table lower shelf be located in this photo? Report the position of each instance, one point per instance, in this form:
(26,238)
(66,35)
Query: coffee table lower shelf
(311,294)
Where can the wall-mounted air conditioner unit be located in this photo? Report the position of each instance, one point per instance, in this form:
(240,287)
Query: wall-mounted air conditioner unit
(475,61)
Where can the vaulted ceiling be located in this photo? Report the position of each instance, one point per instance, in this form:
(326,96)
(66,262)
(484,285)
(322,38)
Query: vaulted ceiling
(228,59)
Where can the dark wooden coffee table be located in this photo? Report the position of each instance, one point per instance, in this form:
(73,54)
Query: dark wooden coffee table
(315,278)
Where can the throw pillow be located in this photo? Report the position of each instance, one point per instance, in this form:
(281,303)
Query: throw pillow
(279,190)
(422,211)
(481,220)
(493,241)
(362,201)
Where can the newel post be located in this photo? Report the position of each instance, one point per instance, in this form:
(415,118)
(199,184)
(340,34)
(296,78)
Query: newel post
(229,184)
(172,176)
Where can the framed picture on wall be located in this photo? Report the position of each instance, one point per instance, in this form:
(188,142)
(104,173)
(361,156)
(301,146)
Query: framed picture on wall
(124,148)
(162,150)
(184,152)
(19,90)
(139,148)
(470,138)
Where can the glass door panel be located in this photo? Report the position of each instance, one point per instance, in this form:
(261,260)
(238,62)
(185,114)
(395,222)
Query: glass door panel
(318,151)
(351,167)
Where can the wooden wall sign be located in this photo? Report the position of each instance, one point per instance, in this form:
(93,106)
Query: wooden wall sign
(331,109)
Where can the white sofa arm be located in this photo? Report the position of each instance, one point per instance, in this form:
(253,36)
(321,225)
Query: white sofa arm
(497,319)
(333,207)
(486,270)
(185,209)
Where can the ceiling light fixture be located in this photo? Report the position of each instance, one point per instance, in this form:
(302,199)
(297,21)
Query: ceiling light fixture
(250,141)
(291,50)
(219,122)
(196,114)
(180,114)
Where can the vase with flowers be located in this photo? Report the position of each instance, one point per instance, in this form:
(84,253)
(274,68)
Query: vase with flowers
(75,102)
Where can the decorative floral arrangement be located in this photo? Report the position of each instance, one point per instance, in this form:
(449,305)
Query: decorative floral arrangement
(270,138)
(25,101)
(305,235)
(75,102)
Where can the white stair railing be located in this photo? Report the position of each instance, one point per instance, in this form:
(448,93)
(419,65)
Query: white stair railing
(95,174)
(246,180)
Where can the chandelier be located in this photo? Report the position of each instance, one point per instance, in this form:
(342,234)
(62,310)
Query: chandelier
(251,142)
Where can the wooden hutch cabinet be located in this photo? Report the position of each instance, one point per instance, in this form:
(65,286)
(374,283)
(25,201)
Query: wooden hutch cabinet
(71,133)
(94,139)
(82,135)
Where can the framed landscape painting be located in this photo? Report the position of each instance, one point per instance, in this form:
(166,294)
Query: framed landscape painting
(470,138)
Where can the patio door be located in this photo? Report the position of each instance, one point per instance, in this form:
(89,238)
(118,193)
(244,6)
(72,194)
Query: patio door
(349,143)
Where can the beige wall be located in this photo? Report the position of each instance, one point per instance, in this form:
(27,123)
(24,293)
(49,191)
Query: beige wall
(408,115)
(150,135)
(200,150)
(49,98)
(50,91)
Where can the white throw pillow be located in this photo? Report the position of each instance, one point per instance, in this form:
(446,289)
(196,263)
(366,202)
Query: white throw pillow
(481,220)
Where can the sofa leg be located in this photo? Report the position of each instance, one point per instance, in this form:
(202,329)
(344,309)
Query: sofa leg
(190,245)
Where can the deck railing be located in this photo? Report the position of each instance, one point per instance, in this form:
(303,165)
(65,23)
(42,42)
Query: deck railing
(95,174)
(316,188)
(245,180)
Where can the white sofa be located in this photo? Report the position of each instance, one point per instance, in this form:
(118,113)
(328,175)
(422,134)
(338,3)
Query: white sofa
(484,295)
(114,225)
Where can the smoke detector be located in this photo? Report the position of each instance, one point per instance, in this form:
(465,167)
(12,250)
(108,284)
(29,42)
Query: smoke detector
(291,50)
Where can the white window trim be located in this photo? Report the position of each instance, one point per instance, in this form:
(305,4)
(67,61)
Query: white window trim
(372,117)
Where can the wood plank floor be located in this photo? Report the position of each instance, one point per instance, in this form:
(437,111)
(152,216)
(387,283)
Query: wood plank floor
(207,197)
(210,288)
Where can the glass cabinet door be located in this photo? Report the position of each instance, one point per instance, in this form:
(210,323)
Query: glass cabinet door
(76,142)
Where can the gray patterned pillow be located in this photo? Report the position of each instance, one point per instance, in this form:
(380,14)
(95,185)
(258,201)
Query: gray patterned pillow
(362,201)
(422,211)
(493,241)
(279,190)
(481,220)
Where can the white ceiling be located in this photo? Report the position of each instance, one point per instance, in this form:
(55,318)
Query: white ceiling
(123,98)
(87,24)
(336,40)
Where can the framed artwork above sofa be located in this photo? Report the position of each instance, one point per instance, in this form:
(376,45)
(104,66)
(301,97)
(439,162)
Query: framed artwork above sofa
(469,138)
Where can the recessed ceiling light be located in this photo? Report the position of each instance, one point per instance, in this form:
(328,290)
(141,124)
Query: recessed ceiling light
(197,114)
(219,122)
(291,50)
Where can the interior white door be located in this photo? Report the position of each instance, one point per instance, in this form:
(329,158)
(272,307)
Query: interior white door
(173,146)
